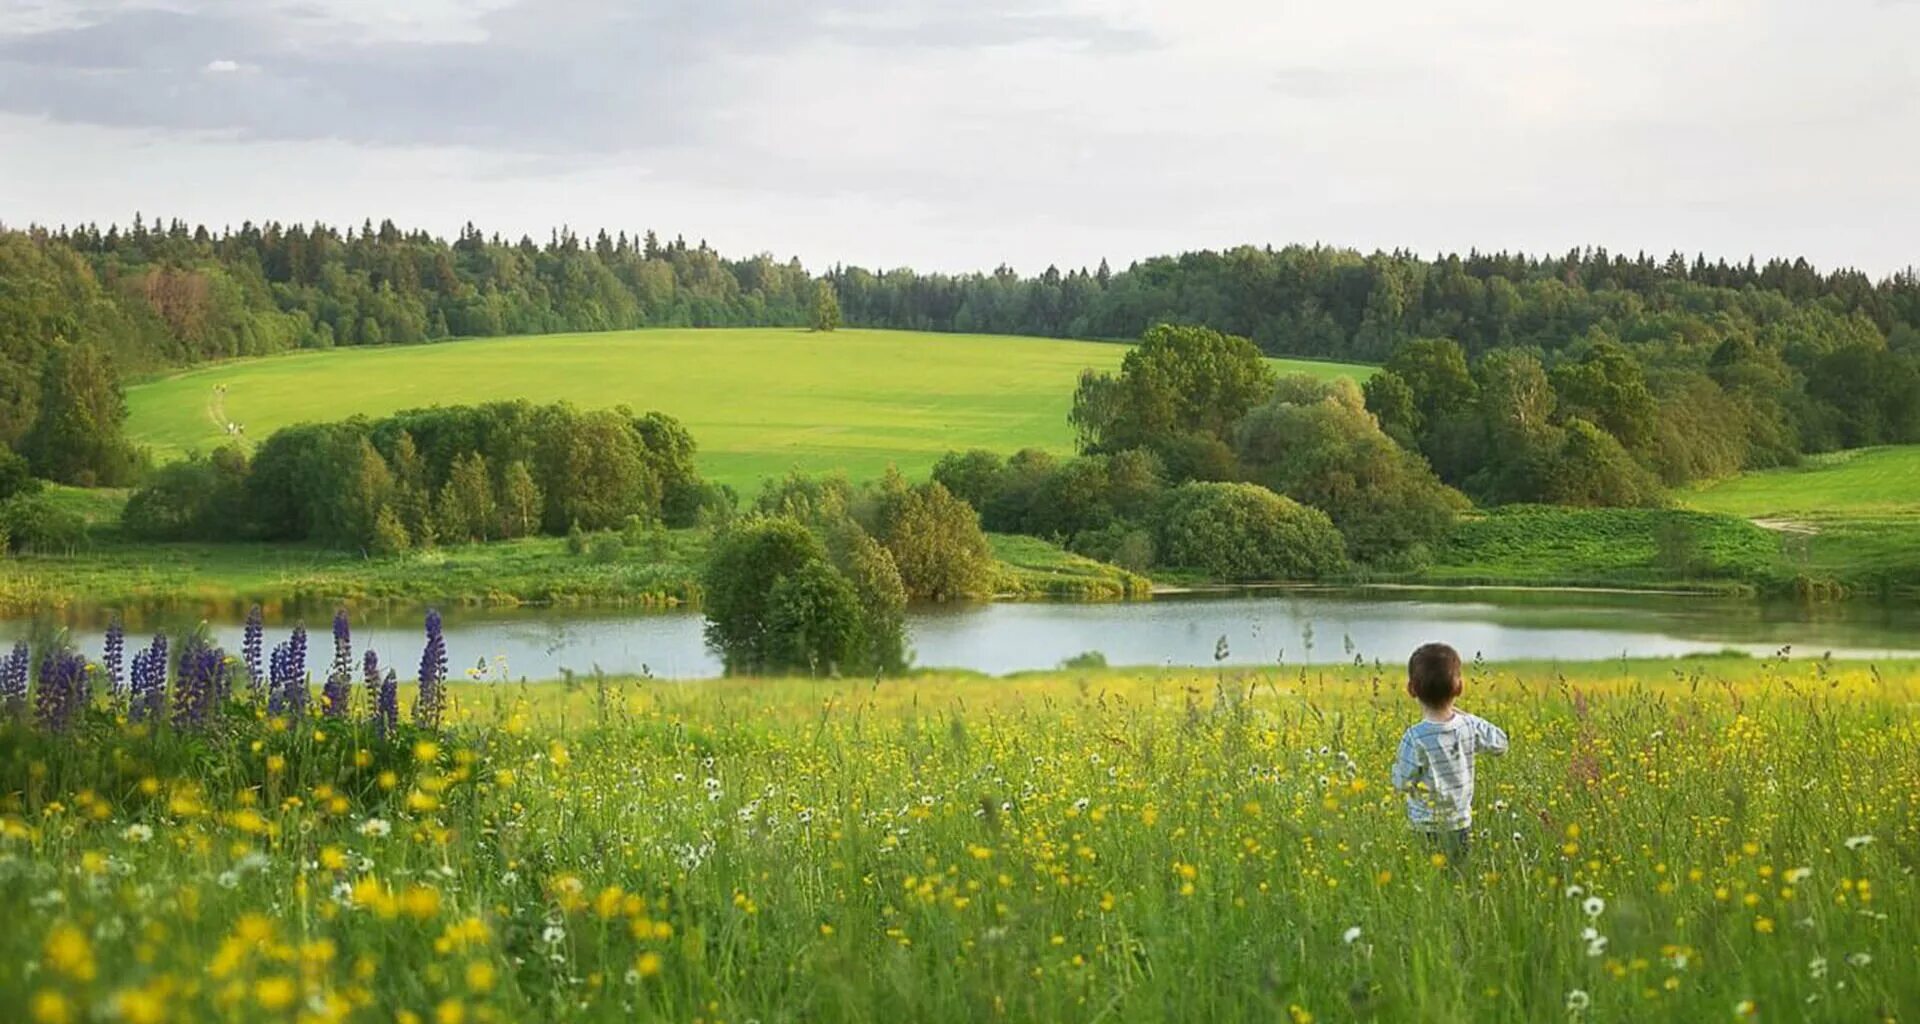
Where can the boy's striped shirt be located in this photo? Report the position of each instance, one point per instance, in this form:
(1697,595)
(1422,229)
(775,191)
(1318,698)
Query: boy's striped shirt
(1434,768)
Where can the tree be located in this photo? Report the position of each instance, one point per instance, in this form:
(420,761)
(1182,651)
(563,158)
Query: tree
(201,497)
(936,543)
(520,501)
(1178,382)
(1608,388)
(746,563)
(470,493)
(77,438)
(1246,532)
(16,477)
(826,306)
(814,621)
(1316,443)
(1390,401)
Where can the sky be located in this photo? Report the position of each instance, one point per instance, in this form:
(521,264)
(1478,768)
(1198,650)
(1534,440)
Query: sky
(962,134)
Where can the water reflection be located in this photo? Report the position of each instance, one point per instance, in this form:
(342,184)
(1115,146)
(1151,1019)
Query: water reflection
(1291,627)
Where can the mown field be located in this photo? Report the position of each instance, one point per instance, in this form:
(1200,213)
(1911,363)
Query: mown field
(759,402)
(1863,481)
(1704,840)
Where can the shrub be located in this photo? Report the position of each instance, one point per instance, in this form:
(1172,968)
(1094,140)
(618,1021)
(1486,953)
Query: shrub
(776,603)
(33,523)
(16,476)
(197,498)
(936,543)
(1246,532)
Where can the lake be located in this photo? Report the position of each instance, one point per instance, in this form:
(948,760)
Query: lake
(1306,626)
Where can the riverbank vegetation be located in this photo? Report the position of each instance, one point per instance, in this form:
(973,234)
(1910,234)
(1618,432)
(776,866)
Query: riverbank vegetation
(1051,846)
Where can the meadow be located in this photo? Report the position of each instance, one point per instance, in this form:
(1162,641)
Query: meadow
(1695,840)
(759,402)
(1860,481)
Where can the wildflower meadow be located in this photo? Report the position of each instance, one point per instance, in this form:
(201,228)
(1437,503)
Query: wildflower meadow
(187,835)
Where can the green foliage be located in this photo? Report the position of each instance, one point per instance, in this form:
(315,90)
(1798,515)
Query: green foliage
(826,307)
(16,476)
(35,523)
(1179,382)
(1245,532)
(198,498)
(935,540)
(814,621)
(1608,547)
(448,475)
(774,602)
(77,437)
(1317,444)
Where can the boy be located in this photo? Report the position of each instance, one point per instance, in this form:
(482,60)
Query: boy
(1434,766)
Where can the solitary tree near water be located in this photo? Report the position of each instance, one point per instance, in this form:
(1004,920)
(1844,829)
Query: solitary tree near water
(826,307)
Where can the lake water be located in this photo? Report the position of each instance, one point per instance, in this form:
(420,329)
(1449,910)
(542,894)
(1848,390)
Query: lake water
(1273,627)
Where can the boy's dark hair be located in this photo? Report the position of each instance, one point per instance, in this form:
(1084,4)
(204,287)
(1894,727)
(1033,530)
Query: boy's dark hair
(1433,674)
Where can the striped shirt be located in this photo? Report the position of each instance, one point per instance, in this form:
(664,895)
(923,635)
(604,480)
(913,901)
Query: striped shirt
(1434,768)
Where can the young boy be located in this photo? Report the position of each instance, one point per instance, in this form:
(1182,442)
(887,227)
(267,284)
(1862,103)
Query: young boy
(1434,766)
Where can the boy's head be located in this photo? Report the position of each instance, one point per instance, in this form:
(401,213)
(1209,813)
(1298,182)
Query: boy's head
(1433,675)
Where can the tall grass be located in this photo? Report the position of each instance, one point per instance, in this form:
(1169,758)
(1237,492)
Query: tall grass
(1692,841)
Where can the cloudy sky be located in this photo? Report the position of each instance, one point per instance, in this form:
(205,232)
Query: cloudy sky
(958,134)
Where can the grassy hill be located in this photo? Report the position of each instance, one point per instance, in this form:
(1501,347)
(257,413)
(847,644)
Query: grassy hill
(1862,481)
(759,401)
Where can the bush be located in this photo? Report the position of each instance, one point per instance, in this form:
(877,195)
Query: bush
(16,477)
(31,523)
(198,498)
(775,603)
(936,542)
(1246,532)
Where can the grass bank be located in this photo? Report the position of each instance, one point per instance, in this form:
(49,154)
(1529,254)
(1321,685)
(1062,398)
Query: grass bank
(219,580)
(759,401)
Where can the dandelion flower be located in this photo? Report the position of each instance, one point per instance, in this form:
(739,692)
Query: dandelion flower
(375,827)
(1594,906)
(1745,1008)
(1859,959)
(1578,1000)
(1857,842)
(1351,935)
(137,833)
(1795,876)
(1574,892)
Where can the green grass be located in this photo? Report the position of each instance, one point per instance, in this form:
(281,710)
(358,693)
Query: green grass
(1544,545)
(759,402)
(1692,841)
(220,580)
(1030,567)
(1863,481)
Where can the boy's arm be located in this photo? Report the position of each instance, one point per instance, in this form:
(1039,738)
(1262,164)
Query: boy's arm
(1409,764)
(1490,737)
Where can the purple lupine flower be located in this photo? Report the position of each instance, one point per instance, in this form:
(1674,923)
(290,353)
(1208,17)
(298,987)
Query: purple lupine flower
(370,671)
(338,692)
(201,680)
(288,690)
(114,658)
(386,713)
(149,684)
(252,642)
(432,699)
(63,690)
(13,683)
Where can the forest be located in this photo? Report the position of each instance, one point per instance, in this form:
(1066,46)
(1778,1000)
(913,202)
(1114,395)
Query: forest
(1698,369)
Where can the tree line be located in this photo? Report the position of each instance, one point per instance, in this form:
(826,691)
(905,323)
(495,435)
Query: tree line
(83,307)
(430,477)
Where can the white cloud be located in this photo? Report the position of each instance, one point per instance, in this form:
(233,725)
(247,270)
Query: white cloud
(956,134)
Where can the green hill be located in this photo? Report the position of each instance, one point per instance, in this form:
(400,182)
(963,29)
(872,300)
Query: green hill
(759,401)
(1864,480)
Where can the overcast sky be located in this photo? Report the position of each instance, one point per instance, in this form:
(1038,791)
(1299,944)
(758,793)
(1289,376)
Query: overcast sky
(959,134)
